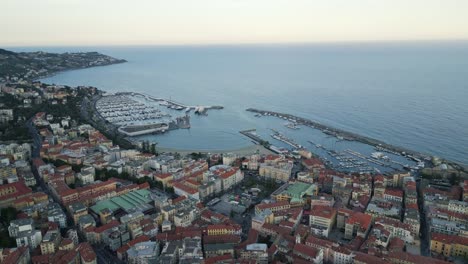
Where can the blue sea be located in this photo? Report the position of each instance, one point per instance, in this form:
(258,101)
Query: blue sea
(413,95)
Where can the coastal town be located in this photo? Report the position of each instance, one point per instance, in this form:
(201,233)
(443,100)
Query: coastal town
(75,190)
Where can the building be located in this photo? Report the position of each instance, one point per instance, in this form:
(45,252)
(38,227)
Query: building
(357,224)
(395,195)
(50,242)
(382,208)
(143,253)
(460,207)
(322,219)
(212,250)
(229,176)
(280,171)
(220,229)
(273,207)
(449,245)
(182,189)
(24,232)
(295,192)
(311,254)
(397,229)
(13,191)
(19,255)
(6,115)
(56,214)
(229,158)
(257,252)
(77,210)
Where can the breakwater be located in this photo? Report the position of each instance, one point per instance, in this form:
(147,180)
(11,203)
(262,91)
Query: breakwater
(342,134)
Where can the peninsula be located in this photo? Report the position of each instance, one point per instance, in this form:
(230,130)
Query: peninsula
(24,66)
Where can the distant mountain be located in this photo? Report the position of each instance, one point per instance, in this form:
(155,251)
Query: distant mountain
(16,66)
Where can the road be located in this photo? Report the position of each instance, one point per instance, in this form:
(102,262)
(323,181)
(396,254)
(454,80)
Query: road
(423,230)
(37,143)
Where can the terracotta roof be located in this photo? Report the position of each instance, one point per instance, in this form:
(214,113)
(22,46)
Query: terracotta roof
(179,199)
(86,252)
(163,175)
(131,243)
(364,220)
(185,188)
(410,258)
(305,250)
(323,211)
(20,190)
(219,259)
(107,226)
(369,259)
(234,239)
(394,192)
(449,239)
(264,206)
(313,162)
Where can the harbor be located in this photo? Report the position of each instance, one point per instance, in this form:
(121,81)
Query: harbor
(171,104)
(343,135)
(338,151)
(136,114)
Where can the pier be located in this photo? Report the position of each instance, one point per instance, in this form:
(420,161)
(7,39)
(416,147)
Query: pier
(342,134)
(173,104)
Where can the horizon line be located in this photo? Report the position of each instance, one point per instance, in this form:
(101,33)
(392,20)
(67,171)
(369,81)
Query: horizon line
(292,43)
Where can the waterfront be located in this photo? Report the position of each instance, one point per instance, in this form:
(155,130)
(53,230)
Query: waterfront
(388,92)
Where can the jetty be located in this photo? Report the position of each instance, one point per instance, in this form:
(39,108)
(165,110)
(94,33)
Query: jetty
(169,103)
(342,134)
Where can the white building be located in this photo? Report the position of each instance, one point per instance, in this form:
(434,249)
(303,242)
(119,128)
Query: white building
(23,231)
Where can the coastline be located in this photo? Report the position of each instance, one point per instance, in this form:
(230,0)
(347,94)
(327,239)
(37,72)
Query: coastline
(241,151)
(38,78)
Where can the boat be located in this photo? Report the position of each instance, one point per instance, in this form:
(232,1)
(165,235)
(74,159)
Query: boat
(292,126)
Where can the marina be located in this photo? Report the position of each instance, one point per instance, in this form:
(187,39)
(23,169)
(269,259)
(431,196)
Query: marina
(171,104)
(337,151)
(343,135)
(136,118)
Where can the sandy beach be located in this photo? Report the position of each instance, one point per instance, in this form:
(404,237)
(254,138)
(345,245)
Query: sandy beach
(241,151)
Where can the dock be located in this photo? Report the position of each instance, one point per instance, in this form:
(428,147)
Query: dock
(342,134)
(169,103)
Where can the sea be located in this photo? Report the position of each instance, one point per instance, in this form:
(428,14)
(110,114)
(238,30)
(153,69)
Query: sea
(409,94)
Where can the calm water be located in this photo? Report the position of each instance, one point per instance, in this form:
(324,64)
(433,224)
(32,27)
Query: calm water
(412,95)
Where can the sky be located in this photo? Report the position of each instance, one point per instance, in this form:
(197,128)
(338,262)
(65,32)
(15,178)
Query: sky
(180,22)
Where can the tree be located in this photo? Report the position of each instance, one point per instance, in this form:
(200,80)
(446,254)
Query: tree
(153,148)
(7,214)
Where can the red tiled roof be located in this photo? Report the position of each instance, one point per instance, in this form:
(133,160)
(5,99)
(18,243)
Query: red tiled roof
(369,259)
(179,199)
(86,252)
(219,259)
(305,250)
(272,157)
(264,206)
(313,162)
(131,243)
(163,175)
(234,239)
(364,220)
(20,190)
(228,227)
(394,192)
(107,226)
(185,188)
(410,258)
(449,239)
(323,211)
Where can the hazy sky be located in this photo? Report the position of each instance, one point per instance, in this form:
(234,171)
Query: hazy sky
(149,22)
